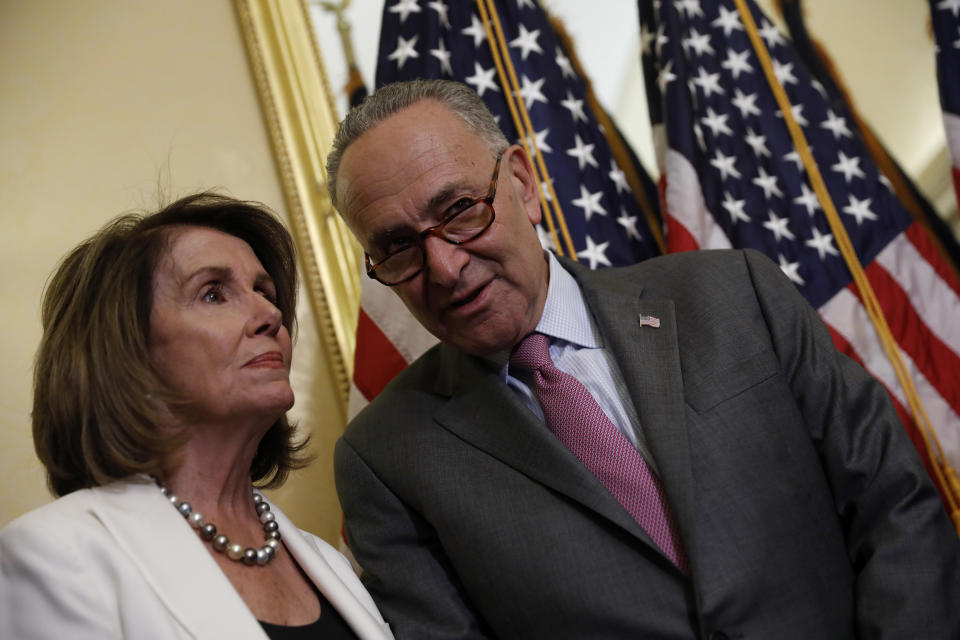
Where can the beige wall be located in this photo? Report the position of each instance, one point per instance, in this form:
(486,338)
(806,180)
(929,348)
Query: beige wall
(104,104)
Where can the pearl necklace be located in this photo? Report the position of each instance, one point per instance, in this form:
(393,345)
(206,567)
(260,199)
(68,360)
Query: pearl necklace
(220,542)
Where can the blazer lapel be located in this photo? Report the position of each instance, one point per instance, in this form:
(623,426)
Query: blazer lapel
(486,413)
(328,581)
(158,540)
(649,359)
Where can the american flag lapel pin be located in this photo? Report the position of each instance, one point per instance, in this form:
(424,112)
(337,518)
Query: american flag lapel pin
(649,321)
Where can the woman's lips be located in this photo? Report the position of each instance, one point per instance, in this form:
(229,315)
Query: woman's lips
(268,360)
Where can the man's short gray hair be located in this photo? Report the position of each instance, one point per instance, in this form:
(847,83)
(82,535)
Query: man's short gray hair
(389,99)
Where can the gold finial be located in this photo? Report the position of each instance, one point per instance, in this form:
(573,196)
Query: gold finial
(343,27)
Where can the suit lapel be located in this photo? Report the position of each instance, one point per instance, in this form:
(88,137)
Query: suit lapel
(649,359)
(164,547)
(486,413)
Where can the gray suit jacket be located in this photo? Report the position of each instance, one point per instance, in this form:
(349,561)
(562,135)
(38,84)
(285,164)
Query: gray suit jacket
(804,508)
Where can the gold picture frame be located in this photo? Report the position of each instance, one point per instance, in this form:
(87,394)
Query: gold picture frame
(301,120)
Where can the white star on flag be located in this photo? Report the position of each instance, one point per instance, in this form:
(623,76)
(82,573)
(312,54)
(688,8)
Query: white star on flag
(531,91)
(709,82)
(768,183)
(575,107)
(725,164)
(540,138)
(791,269)
(595,253)
(405,50)
(836,125)
(482,79)
(757,142)
(716,122)
(778,226)
(699,42)
(736,63)
(443,55)
(729,20)
(405,8)
(859,209)
(618,177)
(849,167)
(808,199)
(735,208)
(797,112)
(546,238)
(526,42)
(950,5)
(629,223)
(784,72)
(823,243)
(665,77)
(443,14)
(564,63)
(794,157)
(475,30)
(583,153)
(771,34)
(590,203)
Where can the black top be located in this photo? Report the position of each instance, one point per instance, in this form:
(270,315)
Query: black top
(330,625)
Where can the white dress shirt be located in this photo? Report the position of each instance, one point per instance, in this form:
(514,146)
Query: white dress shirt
(577,348)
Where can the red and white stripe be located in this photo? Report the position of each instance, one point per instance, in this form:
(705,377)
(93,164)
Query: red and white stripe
(388,339)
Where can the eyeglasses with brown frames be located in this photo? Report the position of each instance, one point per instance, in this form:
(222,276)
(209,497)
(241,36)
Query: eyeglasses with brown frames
(467,221)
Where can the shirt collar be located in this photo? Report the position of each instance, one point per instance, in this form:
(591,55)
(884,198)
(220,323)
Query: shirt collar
(565,314)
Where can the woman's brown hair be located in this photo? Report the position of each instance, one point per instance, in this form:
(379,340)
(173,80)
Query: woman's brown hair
(97,398)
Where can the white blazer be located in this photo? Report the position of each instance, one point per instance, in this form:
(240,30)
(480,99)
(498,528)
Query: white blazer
(119,562)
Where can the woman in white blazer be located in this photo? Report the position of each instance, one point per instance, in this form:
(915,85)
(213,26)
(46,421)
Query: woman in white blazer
(160,393)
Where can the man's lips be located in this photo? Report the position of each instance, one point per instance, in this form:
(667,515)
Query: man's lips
(470,297)
(268,360)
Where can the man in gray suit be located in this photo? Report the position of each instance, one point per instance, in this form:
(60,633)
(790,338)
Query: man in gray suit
(798,506)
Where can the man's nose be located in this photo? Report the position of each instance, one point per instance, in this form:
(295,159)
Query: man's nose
(444,261)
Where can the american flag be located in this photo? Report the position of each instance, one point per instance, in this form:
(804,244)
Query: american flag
(945,15)
(607,226)
(731,177)
(821,66)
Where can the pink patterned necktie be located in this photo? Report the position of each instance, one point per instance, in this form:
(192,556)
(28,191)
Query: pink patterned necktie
(581,425)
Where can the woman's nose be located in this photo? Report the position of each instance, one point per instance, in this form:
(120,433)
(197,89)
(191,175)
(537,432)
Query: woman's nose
(266,317)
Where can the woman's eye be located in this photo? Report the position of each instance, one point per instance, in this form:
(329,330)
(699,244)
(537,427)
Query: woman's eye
(214,294)
(269,295)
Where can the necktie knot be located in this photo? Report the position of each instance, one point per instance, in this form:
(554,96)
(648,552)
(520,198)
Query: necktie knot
(532,353)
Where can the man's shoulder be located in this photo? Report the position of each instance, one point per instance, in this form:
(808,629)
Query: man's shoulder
(691,269)
(684,260)
(411,391)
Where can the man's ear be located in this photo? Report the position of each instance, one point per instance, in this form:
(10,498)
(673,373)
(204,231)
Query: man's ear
(520,171)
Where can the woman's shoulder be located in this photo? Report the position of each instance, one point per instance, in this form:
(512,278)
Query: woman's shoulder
(70,510)
(71,515)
